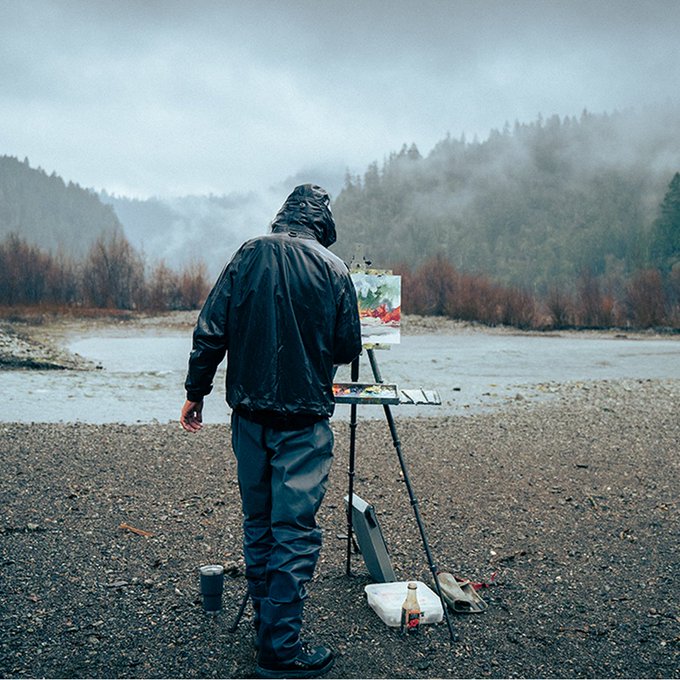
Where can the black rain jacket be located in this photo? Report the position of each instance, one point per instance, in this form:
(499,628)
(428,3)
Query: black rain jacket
(285,311)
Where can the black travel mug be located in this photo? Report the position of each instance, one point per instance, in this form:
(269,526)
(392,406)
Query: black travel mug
(212,584)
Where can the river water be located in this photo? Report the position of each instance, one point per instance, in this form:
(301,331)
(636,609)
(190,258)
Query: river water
(143,372)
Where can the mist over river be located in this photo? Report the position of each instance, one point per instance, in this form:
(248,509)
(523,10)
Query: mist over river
(142,374)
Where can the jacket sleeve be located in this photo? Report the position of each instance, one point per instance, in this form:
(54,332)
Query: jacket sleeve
(347,338)
(210,338)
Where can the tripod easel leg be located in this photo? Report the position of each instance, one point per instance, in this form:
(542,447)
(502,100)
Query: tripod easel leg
(350,470)
(414,501)
(241,609)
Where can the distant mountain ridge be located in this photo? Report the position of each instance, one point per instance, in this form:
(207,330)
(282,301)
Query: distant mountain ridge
(45,211)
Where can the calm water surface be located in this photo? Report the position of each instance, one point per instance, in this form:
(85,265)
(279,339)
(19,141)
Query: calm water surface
(143,373)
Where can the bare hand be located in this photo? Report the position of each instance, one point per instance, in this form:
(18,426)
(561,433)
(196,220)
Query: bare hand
(191,418)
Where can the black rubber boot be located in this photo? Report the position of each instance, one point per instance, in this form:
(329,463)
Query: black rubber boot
(309,663)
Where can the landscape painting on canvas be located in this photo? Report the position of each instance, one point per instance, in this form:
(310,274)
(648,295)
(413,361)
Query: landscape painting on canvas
(379,297)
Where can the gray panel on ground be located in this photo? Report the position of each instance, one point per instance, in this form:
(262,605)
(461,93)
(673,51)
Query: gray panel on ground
(371,541)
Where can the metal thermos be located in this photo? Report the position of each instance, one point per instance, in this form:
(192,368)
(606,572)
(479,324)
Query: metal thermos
(212,584)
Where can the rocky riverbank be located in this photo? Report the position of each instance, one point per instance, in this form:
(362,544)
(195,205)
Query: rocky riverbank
(22,348)
(567,509)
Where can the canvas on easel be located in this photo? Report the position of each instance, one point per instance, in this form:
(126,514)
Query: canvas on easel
(379,298)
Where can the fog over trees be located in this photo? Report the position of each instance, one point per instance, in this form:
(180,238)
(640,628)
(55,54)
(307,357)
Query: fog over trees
(554,223)
(206,228)
(535,204)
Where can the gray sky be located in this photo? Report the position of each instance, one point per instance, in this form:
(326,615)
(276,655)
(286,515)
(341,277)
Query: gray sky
(165,98)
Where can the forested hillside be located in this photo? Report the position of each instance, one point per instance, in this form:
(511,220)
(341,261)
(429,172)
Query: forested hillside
(60,245)
(535,205)
(47,212)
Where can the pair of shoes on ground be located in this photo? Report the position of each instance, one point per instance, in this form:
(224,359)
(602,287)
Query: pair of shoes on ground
(311,662)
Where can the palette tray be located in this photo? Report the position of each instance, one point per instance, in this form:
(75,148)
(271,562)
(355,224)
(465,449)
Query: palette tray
(365,393)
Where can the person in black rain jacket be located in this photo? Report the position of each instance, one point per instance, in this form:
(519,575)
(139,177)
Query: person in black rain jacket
(284,311)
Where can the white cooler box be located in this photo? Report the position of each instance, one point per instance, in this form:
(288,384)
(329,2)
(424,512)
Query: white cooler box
(386,600)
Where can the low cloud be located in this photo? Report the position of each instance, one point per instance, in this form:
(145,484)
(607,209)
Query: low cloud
(170,98)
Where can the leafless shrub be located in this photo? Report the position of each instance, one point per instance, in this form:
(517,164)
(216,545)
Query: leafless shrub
(193,285)
(646,299)
(560,307)
(113,274)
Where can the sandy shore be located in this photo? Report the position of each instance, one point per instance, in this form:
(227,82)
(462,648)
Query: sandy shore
(573,504)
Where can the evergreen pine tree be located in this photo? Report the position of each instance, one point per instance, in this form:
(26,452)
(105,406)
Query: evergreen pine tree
(665,246)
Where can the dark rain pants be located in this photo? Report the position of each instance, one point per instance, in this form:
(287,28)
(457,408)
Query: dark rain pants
(282,478)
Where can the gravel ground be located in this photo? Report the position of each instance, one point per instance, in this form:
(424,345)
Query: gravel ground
(573,504)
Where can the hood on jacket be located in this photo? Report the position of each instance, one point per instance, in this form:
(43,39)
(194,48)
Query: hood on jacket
(307,210)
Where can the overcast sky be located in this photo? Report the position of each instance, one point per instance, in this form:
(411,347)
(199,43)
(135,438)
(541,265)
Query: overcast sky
(151,97)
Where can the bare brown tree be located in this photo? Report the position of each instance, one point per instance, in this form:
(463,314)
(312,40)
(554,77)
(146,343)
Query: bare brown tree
(113,274)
